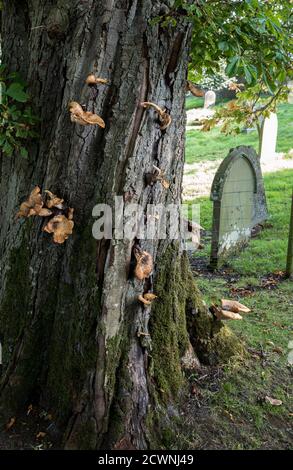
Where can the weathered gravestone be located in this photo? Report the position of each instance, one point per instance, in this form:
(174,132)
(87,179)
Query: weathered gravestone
(269,135)
(239,202)
(209,99)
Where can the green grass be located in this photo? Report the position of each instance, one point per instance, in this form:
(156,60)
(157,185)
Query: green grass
(234,416)
(194,102)
(198,102)
(215,145)
(271,240)
(245,422)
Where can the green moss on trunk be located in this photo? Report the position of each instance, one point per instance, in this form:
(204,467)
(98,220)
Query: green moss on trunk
(180,316)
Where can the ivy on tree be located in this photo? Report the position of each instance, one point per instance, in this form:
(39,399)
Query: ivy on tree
(17,121)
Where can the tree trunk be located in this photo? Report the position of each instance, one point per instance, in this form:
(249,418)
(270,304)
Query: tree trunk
(69,314)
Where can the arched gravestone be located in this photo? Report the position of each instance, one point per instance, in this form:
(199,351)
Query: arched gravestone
(239,202)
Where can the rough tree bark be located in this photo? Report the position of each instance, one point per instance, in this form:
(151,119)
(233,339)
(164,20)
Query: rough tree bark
(69,314)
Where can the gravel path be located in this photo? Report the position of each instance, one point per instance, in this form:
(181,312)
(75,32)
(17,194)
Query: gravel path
(198,177)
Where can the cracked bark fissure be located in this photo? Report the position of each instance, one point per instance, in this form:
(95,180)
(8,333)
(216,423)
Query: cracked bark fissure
(70,313)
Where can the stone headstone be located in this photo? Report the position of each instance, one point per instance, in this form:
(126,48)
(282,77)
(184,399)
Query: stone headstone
(239,202)
(290,94)
(269,135)
(209,99)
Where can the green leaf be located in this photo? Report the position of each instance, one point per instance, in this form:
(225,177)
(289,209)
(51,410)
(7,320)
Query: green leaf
(23,152)
(248,76)
(17,92)
(224,46)
(232,64)
(7,148)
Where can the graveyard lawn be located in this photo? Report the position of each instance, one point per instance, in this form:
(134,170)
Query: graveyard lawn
(202,146)
(227,405)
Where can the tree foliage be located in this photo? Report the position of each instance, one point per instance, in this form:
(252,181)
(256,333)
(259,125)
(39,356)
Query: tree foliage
(253,37)
(17,120)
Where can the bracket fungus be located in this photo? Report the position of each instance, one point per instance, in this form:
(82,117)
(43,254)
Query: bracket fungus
(221,314)
(92,80)
(157,175)
(234,306)
(33,205)
(164,118)
(85,118)
(61,226)
(144,264)
(147,299)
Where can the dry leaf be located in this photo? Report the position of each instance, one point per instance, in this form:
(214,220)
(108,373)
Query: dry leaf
(61,227)
(235,86)
(164,118)
(273,401)
(234,306)
(278,350)
(194,89)
(93,80)
(53,200)
(10,423)
(85,118)
(41,435)
(33,205)
(144,264)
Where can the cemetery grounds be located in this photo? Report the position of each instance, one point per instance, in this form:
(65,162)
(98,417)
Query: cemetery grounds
(227,407)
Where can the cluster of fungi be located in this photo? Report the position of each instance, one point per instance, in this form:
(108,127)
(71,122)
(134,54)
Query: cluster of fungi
(59,218)
(229,310)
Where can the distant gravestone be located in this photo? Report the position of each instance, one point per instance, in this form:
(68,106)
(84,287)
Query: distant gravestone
(239,202)
(269,135)
(290,94)
(209,99)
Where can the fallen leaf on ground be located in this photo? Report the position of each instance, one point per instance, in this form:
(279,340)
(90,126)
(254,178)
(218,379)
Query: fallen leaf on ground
(242,291)
(41,435)
(273,401)
(278,350)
